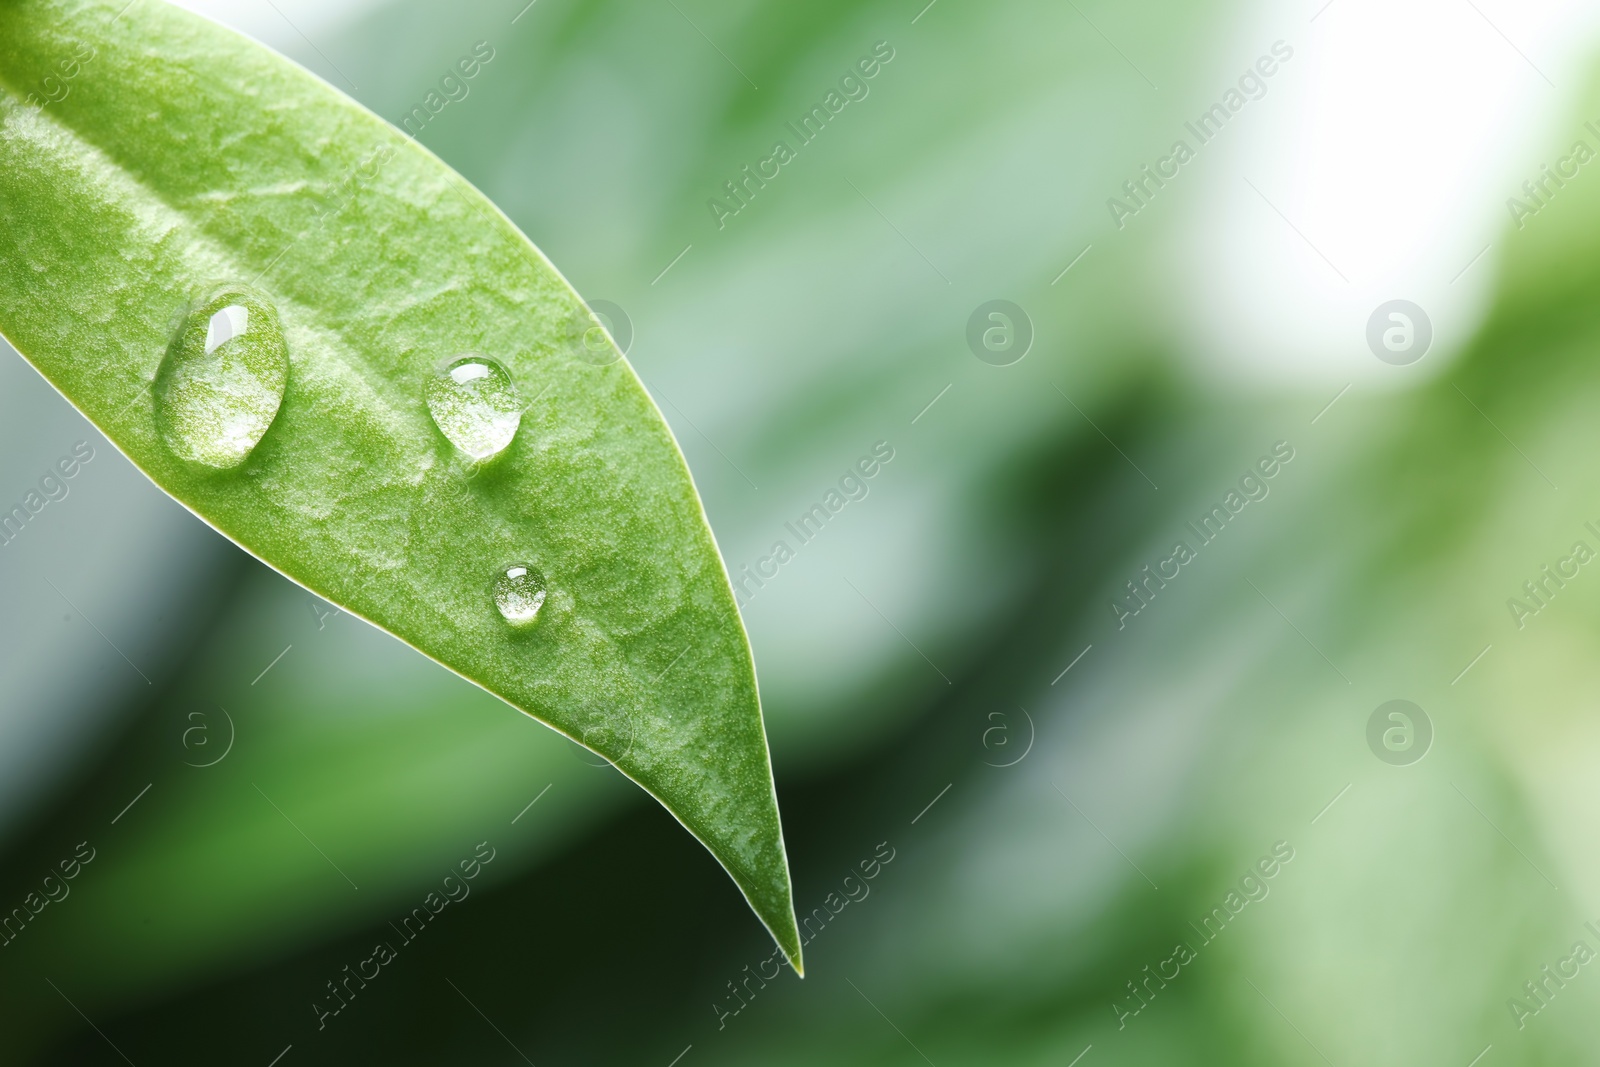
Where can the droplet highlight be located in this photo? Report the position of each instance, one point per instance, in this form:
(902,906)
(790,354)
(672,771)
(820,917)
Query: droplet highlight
(519,594)
(475,404)
(221,382)
(232,321)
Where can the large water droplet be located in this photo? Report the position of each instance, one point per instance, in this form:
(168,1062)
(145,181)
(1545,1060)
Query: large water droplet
(221,383)
(519,594)
(475,405)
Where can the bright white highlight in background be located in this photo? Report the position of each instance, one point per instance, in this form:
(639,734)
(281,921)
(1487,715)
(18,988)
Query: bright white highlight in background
(285,25)
(1390,143)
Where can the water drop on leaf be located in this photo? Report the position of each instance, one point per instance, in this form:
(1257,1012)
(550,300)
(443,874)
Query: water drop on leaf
(475,405)
(221,383)
(519,594)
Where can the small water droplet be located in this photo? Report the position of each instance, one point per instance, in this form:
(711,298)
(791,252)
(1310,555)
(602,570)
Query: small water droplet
(221,382)
(519,594)
(475,404)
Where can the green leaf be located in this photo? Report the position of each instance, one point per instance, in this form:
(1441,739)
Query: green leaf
(157,170)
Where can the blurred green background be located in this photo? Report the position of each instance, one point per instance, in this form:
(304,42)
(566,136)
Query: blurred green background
(268,786)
